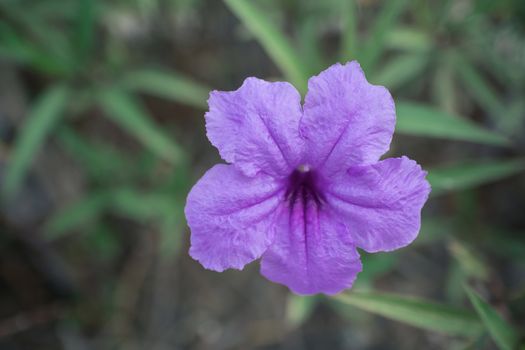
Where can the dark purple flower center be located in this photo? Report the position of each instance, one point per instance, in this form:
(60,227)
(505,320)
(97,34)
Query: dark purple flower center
(303,186)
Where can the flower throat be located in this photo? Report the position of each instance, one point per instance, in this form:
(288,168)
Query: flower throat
(302,185)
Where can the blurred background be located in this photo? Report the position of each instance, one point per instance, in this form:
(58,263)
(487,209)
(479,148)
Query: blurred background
(102,136)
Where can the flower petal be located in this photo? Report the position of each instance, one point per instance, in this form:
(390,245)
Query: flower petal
(381,203)
(231,217)
(312,252)
(347,121)
(257,126)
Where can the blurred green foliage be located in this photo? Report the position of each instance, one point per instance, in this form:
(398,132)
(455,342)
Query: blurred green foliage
(57,41)
(436,57)
(503,334)
(434,50)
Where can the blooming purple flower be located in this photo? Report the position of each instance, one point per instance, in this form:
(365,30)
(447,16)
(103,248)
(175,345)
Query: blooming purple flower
(305,185)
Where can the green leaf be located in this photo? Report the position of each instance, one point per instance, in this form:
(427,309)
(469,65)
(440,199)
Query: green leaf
(476,85)
(504,335)
(299,308)
(454,283)
(76,214)
(124,110)
(43,46)
(470,175)
(99,160)
(140,205)
(19,49)
(44,114)
(421,120)
(374,266)
(164,210)
(443,86)
(171,229)
(169,85)
(104,241)
(84,27)
(372,50)
(349,42)
(401,70)
(416,312)
(309,45)
(272,40)
(472,265)
(514,118)
(135,205)
(504,243)
(408,39)
(434,229)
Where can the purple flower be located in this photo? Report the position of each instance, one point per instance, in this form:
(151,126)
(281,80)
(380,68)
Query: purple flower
(305,185)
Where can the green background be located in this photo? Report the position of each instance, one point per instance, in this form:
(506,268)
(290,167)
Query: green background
(102,136)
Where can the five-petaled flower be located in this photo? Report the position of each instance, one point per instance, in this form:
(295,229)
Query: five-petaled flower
(305,185)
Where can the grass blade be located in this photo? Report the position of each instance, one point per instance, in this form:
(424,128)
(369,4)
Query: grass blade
(44,114)
(416,312)
(371,51)
(138,206)
(479,88)
(503,334)
(374,265)
(84,28)
(272,40)
(168,85)
(421,120)
(40,43)
(124,110)
(101,161)
(401,70)
(444,86)
(17,48)
(469,261)
(299,309)
(470,175)
(308,45)
(408,39)
(77,214)
(349,42)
